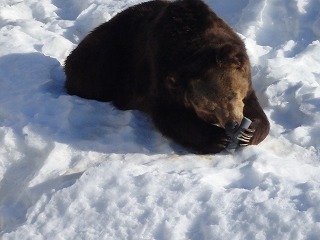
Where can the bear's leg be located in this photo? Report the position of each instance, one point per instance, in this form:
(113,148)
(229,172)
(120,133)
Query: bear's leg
(260,124)
(184,127)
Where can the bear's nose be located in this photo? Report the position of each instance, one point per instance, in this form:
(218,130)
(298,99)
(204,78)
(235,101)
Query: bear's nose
(231,126)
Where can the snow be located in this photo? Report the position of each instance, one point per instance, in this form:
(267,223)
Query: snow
(77,169)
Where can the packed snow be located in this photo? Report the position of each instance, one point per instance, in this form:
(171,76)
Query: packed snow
(71,168)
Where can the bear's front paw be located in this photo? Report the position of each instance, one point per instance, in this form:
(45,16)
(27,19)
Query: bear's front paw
(224,141)
(245,137)
(220,143)
(216,144)
(260,129)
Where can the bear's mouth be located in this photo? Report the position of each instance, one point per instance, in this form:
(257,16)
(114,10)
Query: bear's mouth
(211,116)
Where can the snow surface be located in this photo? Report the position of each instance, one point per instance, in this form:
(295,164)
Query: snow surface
(77,169)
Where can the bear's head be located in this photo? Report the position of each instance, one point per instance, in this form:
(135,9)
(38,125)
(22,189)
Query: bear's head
(214,84)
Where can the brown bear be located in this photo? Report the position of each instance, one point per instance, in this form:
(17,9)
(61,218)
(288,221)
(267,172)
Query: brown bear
(179,63)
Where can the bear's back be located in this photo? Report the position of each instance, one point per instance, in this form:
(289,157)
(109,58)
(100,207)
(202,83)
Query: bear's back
(95,69)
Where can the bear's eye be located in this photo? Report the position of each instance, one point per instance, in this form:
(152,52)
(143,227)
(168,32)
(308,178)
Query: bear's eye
(231,97)
(171,82)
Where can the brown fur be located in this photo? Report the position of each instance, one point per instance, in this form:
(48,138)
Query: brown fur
(176,61)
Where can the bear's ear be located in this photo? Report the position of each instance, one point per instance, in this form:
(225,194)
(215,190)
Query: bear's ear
(171,82)
(231,55)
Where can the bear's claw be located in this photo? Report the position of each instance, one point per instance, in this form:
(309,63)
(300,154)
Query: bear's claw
(245,138)
(244,144)
(224,142)
(245,135)
(250,130)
